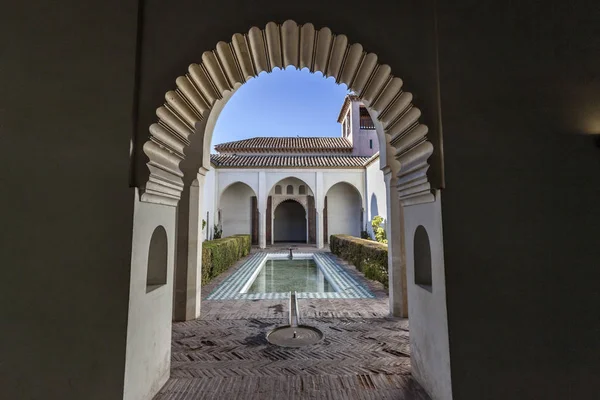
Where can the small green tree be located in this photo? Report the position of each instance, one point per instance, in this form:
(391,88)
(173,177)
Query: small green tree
(379,230)
(217,232)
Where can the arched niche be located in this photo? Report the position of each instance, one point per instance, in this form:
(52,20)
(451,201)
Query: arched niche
(422,257)
(374,206)
(156,275)
(294,182)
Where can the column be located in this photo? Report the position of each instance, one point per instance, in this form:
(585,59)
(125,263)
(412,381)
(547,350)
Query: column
(307,227)
(319,222)
(272,224)
(262,210)
(188,256)
(319,204)
(396,261)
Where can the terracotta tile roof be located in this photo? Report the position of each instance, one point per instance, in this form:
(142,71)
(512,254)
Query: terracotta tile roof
(371,159)
(245,161)
(286,144)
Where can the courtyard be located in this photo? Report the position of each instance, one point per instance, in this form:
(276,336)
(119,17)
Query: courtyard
(364,354)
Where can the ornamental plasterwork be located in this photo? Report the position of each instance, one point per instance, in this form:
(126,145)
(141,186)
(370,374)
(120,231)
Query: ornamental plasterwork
(280,45)
(278,199)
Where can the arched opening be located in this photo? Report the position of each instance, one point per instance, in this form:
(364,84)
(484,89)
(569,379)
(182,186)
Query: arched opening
(422,255)
(302,189)
(374,206)
(277,189)
(237,209)
(289,189)
(306,200)
(157,260)
(188,117)
(204,90)
(290,222)
(344,210)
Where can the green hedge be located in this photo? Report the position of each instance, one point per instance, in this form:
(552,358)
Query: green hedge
(368,256)
(220,254)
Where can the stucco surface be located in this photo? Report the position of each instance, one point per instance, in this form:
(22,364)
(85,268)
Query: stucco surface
(236,209)
(148,332)
(427,306)
(376,203)
(66,209)
(343,210)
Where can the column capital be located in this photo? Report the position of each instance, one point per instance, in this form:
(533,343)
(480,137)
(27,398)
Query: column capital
(202,171)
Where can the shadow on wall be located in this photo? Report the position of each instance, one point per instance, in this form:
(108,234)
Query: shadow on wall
(156,275)
(374,212)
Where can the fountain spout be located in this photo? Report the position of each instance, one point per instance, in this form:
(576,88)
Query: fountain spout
(294,334)
(294,314)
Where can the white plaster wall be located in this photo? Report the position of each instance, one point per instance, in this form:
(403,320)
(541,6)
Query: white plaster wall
(273,176)
(227,177)
(236,209)
(343,210)
(362,145)
(430,353)
(295,182)
(376,203)
(208,203)
(148,351)
(354,177)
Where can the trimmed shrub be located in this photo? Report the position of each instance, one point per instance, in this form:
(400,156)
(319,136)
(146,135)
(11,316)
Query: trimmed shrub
(220,254)
(245,244)
(368,256)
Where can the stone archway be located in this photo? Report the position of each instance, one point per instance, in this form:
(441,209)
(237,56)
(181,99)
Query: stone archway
(186,120)
(229,66)
(306,200)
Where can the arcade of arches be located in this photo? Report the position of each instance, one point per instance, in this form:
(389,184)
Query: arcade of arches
(508,205)
(291,213)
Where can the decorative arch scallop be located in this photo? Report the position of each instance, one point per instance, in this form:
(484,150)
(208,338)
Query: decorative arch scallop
(232,63)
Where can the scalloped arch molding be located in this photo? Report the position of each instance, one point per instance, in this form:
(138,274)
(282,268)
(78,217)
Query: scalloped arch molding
(302,46)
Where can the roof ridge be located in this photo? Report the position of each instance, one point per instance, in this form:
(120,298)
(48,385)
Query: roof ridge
(293,155)
(258,143)
(288,161)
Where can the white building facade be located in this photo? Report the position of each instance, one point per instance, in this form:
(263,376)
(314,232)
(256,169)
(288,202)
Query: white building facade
(297,189)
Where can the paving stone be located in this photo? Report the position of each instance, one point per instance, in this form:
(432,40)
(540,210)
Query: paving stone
(225,355)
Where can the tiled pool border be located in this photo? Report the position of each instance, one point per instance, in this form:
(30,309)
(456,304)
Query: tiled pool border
(348,286)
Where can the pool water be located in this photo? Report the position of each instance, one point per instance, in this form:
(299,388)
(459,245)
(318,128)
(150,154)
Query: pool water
(279,276)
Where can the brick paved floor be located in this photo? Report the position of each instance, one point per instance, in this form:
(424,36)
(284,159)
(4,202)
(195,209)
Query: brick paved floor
(225,354)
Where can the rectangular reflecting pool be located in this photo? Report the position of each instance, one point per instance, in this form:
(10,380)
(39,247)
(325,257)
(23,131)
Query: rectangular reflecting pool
(273,276)
(289,276)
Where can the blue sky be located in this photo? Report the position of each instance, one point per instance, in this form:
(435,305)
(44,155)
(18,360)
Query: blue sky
(283,103)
